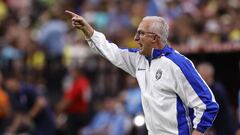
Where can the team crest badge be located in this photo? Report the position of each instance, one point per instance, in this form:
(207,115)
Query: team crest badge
(158,74)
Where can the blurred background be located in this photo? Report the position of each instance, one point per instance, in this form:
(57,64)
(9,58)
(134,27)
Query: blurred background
(52,84)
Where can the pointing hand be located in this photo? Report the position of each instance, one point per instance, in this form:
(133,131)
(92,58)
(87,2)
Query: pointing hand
(77,21)
(80,23)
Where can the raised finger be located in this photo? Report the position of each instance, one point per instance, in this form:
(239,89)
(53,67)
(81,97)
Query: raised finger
(76,18)
(71,13)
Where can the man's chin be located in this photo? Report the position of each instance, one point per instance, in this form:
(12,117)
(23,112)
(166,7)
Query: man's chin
(141,52)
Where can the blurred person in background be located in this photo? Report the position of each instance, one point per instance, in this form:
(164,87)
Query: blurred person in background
(174,97)
(110,119)
(12,51)
(76,49)
(51,34)
(76,100)
(131,98)
(5,107)
(51,37)
(224,124)
(31,110)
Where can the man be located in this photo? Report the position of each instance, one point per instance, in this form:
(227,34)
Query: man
(5,107)
(175,99)
(224,124)
(76,100)
(30,109)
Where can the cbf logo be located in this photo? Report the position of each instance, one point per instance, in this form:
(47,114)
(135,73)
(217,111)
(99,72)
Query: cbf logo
(158,74)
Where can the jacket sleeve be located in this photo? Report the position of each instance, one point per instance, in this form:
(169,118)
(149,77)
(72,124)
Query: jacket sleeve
(122,58)
(196,95)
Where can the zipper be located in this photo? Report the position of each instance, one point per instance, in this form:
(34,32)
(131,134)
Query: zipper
(149,88)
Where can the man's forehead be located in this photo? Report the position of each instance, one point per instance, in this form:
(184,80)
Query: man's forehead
(144,25)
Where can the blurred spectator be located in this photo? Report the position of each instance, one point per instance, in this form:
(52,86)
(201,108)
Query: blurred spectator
(30,109)
(52,35)
(131,97)
(224,123)
(76,50)
(51,38)
(35,58)
(5,108)
(3,10)
(76,100)
(10,51)
(109,120)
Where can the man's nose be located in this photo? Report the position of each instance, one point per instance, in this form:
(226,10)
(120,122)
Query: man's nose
(136,38)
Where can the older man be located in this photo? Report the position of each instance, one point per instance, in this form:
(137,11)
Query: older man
(175,99)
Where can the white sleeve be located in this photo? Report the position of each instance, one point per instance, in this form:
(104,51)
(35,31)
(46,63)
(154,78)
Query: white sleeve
(121,58)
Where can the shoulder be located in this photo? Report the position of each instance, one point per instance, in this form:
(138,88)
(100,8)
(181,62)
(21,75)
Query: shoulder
(180,61)
(178,58)
(134,51)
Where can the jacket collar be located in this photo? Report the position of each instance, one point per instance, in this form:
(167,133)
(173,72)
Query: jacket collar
(156,53)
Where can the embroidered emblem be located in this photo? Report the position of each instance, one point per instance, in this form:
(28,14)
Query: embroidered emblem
(158,74)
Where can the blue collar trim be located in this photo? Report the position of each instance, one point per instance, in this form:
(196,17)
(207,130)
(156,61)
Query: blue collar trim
(156,53)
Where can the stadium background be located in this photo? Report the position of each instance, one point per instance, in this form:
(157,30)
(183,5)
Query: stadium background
(38,44)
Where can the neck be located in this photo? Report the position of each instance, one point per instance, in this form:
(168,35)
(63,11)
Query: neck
(161,46)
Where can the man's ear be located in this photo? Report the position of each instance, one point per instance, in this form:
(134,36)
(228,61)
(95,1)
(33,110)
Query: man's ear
(154,39)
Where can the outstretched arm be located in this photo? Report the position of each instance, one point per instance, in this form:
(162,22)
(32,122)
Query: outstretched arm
(80,23)
(125,59)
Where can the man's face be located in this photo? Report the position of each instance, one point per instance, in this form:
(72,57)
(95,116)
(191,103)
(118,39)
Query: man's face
(145,38)
(206,73)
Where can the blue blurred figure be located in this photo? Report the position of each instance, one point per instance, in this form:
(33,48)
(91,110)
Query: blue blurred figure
(52,36)
(109,120)
(31,111)
(224,123)
(131,97)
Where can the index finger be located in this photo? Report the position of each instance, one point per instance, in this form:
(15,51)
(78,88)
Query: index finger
(71,13)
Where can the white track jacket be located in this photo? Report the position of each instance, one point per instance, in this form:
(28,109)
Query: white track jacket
(175,98)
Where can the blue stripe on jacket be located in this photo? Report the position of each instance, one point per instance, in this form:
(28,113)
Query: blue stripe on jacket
(183,127)
(199,87)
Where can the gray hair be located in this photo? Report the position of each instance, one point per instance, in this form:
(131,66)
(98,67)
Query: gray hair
(158,26)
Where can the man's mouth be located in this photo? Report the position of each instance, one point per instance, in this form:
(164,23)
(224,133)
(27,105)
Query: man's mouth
(140,46)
